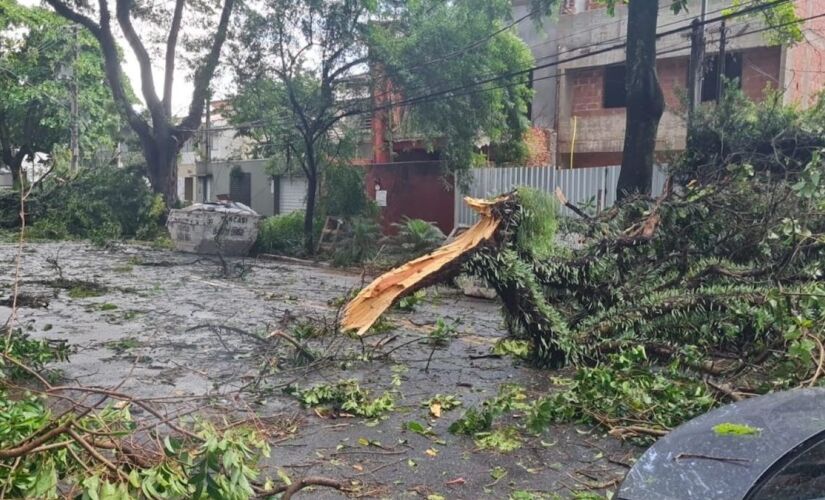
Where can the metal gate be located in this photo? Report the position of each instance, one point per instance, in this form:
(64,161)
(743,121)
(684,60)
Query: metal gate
(589,188)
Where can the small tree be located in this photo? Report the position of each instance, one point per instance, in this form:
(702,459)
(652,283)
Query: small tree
(36,47)
(444,49)
(161,137)
(295,78)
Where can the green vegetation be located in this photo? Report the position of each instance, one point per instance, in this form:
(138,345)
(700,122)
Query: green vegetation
(282,234)
(124,344)
(417,237)
(34,116)
(417,33)
(85,290)
(344,396)
(359,242)
(100,204)
(74,448)
(677,304)
(731,429)
(479,421)
(537,232)
(513,347)
(621,391)
(410,302)
(504,440)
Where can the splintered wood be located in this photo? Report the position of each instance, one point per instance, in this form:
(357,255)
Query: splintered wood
(365,309)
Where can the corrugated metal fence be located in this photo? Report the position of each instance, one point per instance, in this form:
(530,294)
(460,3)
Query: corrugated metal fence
(588,188)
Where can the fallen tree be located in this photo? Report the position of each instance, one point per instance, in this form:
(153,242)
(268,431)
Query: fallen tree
(714,288)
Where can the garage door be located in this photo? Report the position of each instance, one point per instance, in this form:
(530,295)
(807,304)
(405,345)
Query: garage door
(293,194)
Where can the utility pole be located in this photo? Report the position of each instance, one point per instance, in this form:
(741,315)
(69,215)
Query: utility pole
(206,125)
(697,60)
(720,85)
(206,149)
(73,91)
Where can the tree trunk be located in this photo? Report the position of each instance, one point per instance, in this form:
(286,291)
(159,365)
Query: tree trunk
(645,101)
(15,164)
(161,156)
(309,214)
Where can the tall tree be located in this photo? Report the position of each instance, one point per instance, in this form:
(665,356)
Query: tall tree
(37,57)
(444,49)
(301,57)
(645,101)
(309,63)
(161,136)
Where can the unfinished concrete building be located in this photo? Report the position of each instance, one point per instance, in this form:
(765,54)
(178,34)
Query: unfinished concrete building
(582,88)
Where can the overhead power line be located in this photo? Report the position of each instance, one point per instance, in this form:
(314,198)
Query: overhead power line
(454,92)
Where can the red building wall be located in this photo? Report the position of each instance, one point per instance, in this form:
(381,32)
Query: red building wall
(805,62)
(415,190)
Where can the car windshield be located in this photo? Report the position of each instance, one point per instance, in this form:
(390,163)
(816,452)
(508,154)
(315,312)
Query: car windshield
(799,476)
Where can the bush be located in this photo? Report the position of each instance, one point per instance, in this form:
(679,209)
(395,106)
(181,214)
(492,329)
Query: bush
(100,204)
(344,194)
(358,244)
(418,236)
(282,234)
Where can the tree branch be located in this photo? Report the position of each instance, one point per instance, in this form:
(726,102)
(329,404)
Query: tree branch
(203,76)
(111,59)
(171,45)
(147,80)
(72,15)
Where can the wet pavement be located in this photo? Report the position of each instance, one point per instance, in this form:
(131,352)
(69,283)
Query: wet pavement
(172,327)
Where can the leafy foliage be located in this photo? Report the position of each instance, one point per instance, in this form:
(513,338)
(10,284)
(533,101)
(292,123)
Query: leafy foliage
(281,234)
(359,243)
(37,353)
(416,236)
(720,278)
(623,390)
(410,302)
(36,56)
(407,49)
(343,193)
(346,396)
(480,420)
(220,463)
(100,204)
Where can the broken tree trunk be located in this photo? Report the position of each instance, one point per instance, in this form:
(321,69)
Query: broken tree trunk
(365,309)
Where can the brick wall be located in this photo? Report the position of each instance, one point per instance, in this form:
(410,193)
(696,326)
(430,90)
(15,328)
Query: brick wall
(587,88)
(600,130)
(760,69)
(805,62)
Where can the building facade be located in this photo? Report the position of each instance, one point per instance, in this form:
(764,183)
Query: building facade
(587,93)
(232,172)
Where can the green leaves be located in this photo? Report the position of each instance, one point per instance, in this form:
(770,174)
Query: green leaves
(220,467)
(347,396)
(413,51)
(37,67)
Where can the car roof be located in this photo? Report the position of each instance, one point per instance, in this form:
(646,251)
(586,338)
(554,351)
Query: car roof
(696,461)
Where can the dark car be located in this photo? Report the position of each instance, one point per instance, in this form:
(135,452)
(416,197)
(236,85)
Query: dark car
(770,447)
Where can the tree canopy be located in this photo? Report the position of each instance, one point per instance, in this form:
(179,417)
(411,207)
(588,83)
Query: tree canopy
(435,47)
(156,28)
(36,64)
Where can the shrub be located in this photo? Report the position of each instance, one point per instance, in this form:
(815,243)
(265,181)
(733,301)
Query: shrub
(418,236)
(344,194)
(282,234)
(359,243)
(100,204)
